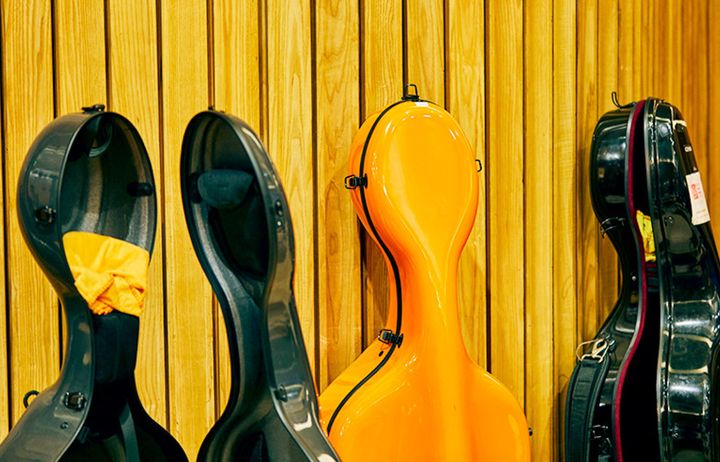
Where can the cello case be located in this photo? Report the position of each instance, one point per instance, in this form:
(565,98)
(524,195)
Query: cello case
(415,394)
(240,227)
(88,172)
(647,388)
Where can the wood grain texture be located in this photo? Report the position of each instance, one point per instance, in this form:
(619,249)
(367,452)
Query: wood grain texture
(79,48)
(133,82)
(565,165)
(629,88)
(539,232)
(189,298)
(674,49)
(381,85)
(27,107)
(237,86)
(466,102)
(5,409)
(587,70)
(425,49)
(337,109)
(694,106)
(713,176)
(607,82)
(506,259)
(289,141)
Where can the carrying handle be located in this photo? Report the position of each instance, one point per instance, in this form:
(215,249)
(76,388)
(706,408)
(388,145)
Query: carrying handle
(407,95)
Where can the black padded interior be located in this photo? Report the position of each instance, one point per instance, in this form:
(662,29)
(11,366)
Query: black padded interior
(227,186)
(116,338)
(107,185)
(638,411)
(224,189)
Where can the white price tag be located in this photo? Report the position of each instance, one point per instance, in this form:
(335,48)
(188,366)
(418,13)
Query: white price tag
(700,213)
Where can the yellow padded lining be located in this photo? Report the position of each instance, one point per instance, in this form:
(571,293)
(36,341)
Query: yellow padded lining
(110,274)
(645,225)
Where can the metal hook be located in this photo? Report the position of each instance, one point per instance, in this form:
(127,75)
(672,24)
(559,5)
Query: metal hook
(615,101)
(598,351)
(26,398)
(407,96)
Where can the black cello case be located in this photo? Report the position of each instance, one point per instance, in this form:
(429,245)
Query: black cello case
(240,227)
(88,172)
(646,387)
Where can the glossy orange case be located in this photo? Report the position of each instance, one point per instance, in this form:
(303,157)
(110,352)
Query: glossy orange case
(430,401)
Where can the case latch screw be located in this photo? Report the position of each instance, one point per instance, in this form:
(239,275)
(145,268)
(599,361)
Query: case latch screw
(74,400)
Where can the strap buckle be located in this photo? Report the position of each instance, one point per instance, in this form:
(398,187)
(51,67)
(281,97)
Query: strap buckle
(598,351)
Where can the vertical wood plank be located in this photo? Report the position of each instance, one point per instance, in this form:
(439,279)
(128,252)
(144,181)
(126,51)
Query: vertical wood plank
(607,82)
(382,80)
(5,409)
(627,81)
(237,86)
(565,204)
(28,107)
(586,118)
(337,109)
(539,135)
(695,107)
(290,117)
(79,47)
(132,41)
(504,58)
(674,50)
(425,49)
(466,102)
(189,298)
(646,69)
(713,154)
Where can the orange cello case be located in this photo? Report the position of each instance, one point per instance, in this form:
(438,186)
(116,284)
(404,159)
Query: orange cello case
(415,394)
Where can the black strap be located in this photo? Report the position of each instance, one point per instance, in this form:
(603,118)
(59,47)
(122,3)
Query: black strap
(583,392)
(132,451)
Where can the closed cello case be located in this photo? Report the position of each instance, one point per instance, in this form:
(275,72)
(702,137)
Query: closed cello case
(646,388)
(86,206)
(240,227)
(415,394)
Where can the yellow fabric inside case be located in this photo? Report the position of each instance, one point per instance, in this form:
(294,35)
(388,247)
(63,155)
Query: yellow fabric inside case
(110,274)
(645,225)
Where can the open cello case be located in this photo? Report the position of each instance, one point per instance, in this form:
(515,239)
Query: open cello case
(240,227)
(86,205)
(646,388)
(415,394)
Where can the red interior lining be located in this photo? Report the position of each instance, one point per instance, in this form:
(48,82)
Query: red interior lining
(643,279)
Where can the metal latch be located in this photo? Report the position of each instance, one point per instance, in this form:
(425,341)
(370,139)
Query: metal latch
(74,400)
(352,181)
(388,337)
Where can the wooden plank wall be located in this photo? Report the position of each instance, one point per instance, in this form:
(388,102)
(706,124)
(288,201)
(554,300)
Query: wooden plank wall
(527,80)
